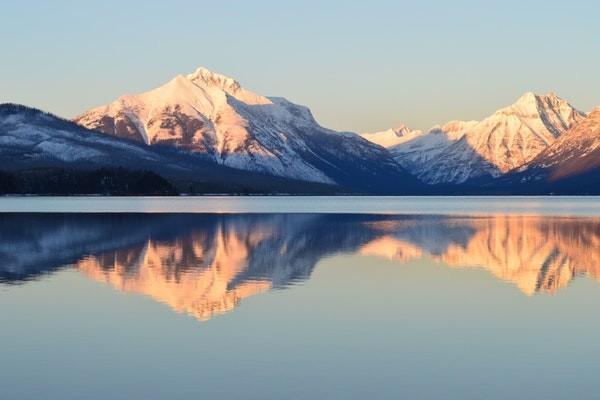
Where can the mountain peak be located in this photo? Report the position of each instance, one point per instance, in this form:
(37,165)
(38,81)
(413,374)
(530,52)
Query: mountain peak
(529,97)
(532,105)
(205,77)
(531,100)
(392,136)
(401,130)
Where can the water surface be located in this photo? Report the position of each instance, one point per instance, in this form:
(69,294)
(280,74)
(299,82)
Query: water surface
(468,205)
(298,305)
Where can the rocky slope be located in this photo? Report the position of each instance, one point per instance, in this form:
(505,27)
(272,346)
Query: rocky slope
(212,115)
(570,165)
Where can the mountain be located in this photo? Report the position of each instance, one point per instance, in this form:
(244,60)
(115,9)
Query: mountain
(570,165)
(214,116)
(37,146)
(465,150)
(417,153)
(391,137)
(205,133)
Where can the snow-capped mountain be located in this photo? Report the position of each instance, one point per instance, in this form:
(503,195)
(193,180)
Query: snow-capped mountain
(391,137)
(213,115)
(512,136)
(570,165)
(30,138)
(417,153)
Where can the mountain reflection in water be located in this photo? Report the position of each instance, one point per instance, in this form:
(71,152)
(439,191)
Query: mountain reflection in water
(204,264)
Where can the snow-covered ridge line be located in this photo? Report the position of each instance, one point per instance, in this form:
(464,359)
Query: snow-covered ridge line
(460,151)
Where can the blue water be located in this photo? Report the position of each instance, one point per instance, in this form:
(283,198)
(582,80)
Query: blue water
(243,303)
(545,205)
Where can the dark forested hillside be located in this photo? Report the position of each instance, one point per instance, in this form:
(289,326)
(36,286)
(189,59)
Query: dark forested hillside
(104,181)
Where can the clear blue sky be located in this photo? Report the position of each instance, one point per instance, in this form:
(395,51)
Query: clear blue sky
(360,66)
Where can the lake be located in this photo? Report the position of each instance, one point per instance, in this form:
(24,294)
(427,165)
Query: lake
(299,297)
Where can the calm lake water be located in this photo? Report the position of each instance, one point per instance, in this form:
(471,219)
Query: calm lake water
(473,205)
(297,298)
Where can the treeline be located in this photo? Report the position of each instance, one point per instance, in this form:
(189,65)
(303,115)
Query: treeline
(103,181)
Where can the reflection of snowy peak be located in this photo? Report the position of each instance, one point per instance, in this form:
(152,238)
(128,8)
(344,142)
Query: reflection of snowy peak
(201,264)
(205,264)
(210,114)
(512,136)
(537,254)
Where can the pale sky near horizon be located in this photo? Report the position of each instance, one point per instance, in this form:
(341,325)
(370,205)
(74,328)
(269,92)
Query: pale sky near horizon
(363,66)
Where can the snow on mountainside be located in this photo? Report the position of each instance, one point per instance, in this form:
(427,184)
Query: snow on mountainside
(30,138)
(420,151)
(574,154)
(211,114)
(512,136)
(391,137)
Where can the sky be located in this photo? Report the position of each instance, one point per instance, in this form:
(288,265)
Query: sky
(359,66)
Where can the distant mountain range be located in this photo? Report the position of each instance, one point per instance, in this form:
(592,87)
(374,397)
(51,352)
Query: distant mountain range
(205,133)
(465,150)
